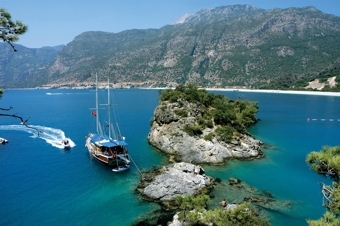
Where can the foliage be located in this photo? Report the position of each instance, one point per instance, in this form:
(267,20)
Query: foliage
(225,133)
(230,117)
(332,197)
(327,162)
(205,122)
(182,112)
(187,203)
(193,130)
(328,73)
(209,137)
(294,82)
(190,202)
(10,30)
(328,219)
(241,215)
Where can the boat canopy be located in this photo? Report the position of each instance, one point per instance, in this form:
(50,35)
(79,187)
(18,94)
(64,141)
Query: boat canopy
(104,140)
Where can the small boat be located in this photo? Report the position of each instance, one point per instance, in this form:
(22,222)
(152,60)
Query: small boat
(3,141)
(108,147)
(66,144)
(121,168)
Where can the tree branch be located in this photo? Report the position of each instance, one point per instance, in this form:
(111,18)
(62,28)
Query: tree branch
(6,109)
(327,194)
(14,49)
(23,122)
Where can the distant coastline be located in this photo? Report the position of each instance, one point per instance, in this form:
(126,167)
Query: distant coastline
(280,91)
(104,86)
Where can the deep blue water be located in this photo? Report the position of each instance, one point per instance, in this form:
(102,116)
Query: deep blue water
(42,184)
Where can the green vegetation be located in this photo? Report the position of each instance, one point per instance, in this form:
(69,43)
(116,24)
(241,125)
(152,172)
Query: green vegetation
(332,72)
(182,112)
(327,162)
(229,116)
(192,211)
(209,51)
(209,137)
(329,219)
(10,30)
(299,82)
(193,130)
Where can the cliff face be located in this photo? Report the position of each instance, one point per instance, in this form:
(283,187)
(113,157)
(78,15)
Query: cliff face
(168,135)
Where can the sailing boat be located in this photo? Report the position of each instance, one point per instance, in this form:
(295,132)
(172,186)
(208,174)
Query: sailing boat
(109,148)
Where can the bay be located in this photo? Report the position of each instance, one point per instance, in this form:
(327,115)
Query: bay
(43,184)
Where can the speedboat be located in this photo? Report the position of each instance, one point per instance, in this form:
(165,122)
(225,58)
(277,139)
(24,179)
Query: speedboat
(66,144)
(3,141)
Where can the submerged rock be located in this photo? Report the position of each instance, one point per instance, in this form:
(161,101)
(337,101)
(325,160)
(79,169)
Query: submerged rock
(236,191)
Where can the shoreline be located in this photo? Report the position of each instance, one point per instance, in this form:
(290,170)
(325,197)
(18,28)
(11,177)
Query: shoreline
(320,93)
(297,92)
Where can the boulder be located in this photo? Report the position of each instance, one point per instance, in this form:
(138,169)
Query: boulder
(168,182)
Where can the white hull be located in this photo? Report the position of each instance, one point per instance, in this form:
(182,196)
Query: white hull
(3,141)
(121,168)
(66,144)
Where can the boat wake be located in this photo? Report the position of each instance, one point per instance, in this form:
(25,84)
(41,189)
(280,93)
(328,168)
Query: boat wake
(54,93)
(52,136)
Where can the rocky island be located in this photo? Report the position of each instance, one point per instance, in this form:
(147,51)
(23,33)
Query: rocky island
(192,125)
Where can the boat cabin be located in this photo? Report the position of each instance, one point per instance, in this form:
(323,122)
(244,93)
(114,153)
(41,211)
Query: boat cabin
(108,146)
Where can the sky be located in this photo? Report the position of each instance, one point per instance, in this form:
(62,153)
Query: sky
(56,22)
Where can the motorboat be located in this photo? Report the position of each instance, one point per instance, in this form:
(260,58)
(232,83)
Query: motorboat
(66,144)
(3,141)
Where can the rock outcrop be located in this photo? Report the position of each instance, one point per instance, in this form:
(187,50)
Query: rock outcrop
(168,135)
(163,185)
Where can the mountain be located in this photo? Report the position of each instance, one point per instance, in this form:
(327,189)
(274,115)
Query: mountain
(229,46)
(18,66)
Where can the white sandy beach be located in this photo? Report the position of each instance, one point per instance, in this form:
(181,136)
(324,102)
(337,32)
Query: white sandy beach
(104,86)
(280,91)
(266,91)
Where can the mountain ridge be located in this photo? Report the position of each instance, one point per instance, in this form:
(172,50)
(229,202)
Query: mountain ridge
(227,46)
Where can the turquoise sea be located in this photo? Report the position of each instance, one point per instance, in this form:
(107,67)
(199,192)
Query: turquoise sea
(42,184)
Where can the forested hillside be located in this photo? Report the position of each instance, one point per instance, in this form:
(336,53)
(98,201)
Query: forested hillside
(230,46)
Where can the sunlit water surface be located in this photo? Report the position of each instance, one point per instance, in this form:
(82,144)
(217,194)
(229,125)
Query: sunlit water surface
(43,184)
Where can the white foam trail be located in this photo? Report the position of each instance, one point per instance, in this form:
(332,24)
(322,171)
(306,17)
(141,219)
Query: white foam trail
(54,93)
(52,136)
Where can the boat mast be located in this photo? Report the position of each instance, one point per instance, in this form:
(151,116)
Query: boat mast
(97,116)
(109,106)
